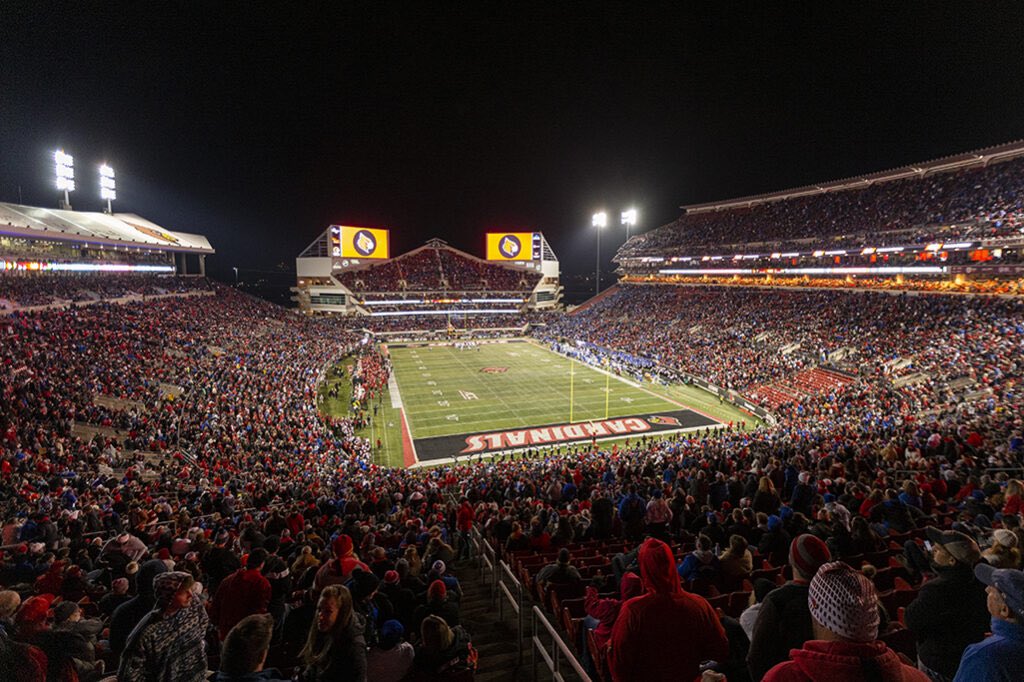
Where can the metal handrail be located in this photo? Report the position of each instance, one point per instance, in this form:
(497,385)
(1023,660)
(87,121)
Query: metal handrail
(559,651)
(515,600)
(486,560)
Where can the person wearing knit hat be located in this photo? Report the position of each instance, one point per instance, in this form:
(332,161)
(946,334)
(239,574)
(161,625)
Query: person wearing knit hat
(950,610)
(775,541)
(1004,552)
(665,633)
(338,570)
(999,657)
(437,604)
(784,621)
(392,658)
(171,638)
(61,648)
(844,614)
(118,595)
(806,554)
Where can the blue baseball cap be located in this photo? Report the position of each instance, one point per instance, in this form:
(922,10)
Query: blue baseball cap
(1009,582)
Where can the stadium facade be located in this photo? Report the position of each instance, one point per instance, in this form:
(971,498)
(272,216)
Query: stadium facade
(435,279)
(940,223)
(33,239)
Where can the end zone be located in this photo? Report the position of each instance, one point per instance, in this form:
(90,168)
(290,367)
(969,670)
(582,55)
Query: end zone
(441,448)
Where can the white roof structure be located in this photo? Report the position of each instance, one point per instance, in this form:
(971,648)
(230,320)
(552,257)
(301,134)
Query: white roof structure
(119,229)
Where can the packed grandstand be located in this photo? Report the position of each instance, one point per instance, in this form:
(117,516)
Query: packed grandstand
(175,505)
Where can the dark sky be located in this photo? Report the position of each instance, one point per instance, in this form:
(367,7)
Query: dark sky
(260,127)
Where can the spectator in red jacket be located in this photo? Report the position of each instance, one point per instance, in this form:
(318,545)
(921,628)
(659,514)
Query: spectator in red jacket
(464,522)
(1013,500)
(666,633)
(844,616)
(243,593)
(601,613)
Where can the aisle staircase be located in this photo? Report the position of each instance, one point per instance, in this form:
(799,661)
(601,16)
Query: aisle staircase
(493,638)
(595,299)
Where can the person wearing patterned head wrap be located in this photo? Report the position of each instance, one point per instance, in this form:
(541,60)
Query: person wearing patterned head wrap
(844,615)
(783,622)
(169,644)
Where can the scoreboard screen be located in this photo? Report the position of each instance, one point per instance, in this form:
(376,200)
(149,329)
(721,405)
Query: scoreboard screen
(513,246)
(359,242)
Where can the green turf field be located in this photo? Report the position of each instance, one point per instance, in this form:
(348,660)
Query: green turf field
(446,391)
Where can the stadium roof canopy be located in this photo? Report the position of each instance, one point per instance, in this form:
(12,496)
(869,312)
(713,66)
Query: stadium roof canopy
(980,157)
(84,227)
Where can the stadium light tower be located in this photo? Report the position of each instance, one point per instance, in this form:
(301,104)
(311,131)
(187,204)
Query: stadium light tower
(600,221)
(108,188)
(629,220)
(65,169)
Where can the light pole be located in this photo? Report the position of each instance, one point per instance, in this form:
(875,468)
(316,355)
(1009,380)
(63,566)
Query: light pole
(65,165)
(629,220)
(108,188)
(600,221)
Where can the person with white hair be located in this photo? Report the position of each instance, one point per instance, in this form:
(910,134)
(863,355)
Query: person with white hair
(1004,552)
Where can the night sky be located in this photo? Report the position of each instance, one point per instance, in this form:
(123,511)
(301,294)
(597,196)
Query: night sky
(258,128)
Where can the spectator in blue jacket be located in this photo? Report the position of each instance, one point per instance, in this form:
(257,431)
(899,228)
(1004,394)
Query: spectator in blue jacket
(1001,656)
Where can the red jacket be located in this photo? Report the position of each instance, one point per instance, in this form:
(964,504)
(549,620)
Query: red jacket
(606,611)
(843,662)
(666,633)
(464,518)
(243,593)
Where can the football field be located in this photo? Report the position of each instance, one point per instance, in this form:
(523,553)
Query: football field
(516,395)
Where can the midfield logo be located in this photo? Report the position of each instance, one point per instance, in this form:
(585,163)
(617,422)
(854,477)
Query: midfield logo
(494,370)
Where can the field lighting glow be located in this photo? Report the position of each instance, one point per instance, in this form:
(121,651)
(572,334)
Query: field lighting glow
(921,270)
(108,186)
(65,170)
(80,267)
(402,313)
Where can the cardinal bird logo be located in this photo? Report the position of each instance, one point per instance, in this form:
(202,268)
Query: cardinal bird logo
(365,243)
(509,246)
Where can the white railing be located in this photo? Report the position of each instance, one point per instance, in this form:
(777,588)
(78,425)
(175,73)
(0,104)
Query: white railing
(487,562)
(559,651)
(511,591)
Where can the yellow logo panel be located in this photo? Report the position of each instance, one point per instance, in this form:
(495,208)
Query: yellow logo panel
(364,242)
(510,246)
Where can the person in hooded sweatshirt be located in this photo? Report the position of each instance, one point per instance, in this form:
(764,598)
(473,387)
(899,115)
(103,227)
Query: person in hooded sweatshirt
(665,633)
(127,615)
(338,570)
(845,647)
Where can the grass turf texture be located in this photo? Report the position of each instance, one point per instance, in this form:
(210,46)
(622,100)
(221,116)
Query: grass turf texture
(445,392)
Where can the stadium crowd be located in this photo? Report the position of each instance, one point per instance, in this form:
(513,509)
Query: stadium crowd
(27,289)
(438,267)
(173,502)
(986,201)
